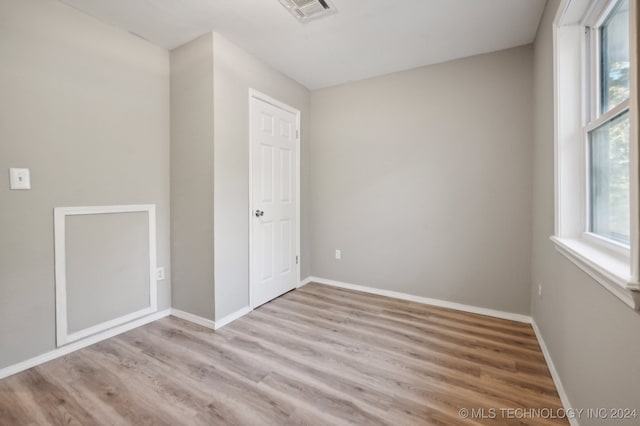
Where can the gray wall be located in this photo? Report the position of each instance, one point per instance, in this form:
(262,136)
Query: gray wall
(90,116)
(86,107)
(592,336)
(423,179)
(107,267)
(192,177)
(235,71)
(210,81)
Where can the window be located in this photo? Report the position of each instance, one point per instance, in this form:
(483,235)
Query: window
(597,211)
(608,129)
(609,180)
(614,57)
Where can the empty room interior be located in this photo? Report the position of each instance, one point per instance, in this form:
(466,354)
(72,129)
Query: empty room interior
(319,212)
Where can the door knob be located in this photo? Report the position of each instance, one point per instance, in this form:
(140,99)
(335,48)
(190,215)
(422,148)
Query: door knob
(259,213)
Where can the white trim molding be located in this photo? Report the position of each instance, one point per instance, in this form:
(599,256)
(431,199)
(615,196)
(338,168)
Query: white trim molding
(465,308)
(114,331)
(606,269)
(205,322)
(215,325)
(305,282)
(554,374)
(232,317)
(424,300)
(72,347)
(63,336)
(612,265)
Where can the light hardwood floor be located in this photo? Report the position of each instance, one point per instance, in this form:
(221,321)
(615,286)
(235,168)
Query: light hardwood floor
(316,356)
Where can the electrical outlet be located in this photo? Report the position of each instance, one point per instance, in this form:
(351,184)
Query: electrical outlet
(160,274)
(338,254)
(540,289)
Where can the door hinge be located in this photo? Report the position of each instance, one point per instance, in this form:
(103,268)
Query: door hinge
(297,134)
(296,260)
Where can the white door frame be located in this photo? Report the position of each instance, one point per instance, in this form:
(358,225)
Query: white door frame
(254,94)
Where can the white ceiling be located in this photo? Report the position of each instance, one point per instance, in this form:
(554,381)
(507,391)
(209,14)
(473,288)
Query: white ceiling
(365,38)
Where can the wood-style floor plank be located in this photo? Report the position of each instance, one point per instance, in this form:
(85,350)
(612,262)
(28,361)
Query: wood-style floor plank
(316,356)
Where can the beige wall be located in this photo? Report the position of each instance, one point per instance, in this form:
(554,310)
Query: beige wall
(235,71)
(86,108)
(423,179)
(592,336)
(192,177)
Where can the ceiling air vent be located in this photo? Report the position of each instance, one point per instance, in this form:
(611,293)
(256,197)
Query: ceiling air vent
(307,10)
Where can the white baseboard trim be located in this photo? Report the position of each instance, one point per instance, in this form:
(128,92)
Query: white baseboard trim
(193,318)
(465,308)
(305,282)
(554,373)
(214,325)
(72,347)
(424,300)
(80,344)
(232,317)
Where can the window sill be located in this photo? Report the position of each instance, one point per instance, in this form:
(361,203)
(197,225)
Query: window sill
(610,271)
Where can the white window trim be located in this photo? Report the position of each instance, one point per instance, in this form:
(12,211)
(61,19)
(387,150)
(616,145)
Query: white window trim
(614,266)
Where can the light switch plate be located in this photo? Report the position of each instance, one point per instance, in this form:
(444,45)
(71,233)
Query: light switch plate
(19,178)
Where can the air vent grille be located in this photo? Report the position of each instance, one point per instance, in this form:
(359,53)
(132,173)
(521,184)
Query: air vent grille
(303,3)
(307,10)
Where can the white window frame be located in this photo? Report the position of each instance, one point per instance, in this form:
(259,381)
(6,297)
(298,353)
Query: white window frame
(613,265)
(595,119)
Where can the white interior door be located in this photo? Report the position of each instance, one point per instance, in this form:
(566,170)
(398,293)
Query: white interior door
(274,192)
